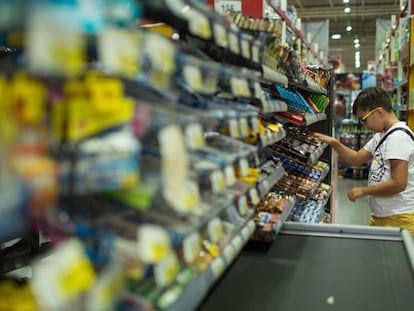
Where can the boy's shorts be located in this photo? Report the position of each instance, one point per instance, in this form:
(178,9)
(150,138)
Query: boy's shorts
(405,221)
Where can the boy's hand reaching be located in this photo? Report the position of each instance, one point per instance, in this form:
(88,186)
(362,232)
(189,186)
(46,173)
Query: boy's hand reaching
(325,138)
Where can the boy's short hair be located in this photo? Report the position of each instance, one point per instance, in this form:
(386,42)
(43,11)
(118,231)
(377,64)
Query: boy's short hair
(370,98)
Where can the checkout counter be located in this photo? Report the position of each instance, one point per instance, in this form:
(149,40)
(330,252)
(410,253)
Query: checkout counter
(320,267)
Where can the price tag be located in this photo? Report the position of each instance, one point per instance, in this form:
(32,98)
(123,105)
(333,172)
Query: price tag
(242,205)
(187,198)
(218,182)
(107,287)
(178,190)
(229,253)
(234,43)
(244,167)
(166,270)
(255,124)
(217,266)
(234,128)
(245,44)
(264,139)
(164,59)
(199,24)
(220,35)
(62,276)
(192,76)
(240,87)
(256,52)
(191,247)
(222,6)
(215,230)
(266,185)
(258,91)
(154,244)
(245,233)
(254,196)
(252,226)
(237,243)
(119,51)
(244,127)
(194,136)
(230,175)
(61,48)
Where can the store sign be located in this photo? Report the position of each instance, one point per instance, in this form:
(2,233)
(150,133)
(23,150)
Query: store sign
(232,5)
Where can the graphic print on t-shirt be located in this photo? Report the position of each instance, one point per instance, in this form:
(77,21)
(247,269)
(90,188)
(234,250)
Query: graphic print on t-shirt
(377,168)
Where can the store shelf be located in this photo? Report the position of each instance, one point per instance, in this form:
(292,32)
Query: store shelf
(266,185)
(277,226)
(300,120)
(298,33)
(197,289)
(269,138)
(274,76)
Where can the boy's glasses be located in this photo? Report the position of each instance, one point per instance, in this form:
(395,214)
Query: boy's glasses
(363,119)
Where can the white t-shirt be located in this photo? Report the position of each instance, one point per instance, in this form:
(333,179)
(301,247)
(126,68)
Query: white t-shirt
(398,145)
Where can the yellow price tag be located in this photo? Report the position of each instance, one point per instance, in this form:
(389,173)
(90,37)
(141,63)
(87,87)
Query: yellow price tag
(245,45)
(230,175)
(166,270)
(76,279)
(119,51)
(199,24)
(234,43)
(242,205)
(191,247)
(192,76)
(240,87)
(154,243)
(194,136)
(215,230)
(164,59)
(234,128)
(220,35)
(62,276)
(217,181)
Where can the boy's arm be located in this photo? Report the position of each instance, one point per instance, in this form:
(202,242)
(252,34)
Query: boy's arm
(347,154)
(397,183)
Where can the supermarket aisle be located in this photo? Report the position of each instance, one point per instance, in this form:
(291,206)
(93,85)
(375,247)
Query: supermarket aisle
(348,212)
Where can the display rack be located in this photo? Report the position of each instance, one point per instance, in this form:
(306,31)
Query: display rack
(153,165)
(394,65)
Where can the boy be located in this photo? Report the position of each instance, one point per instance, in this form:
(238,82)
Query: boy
(391,151)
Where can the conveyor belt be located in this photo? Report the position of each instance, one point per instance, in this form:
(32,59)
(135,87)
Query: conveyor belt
(319,272)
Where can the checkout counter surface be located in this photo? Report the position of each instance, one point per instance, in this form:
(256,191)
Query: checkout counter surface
(321,267)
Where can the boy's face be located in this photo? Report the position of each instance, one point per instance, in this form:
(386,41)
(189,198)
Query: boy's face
(372,118)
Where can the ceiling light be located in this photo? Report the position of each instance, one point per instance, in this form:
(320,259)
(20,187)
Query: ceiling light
(347,10)
(345,1)
(356,40)
(357,45)
(388,40)
(348,28)
(357,59)
(336,36)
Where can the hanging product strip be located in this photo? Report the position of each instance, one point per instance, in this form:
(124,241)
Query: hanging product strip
(172,263)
